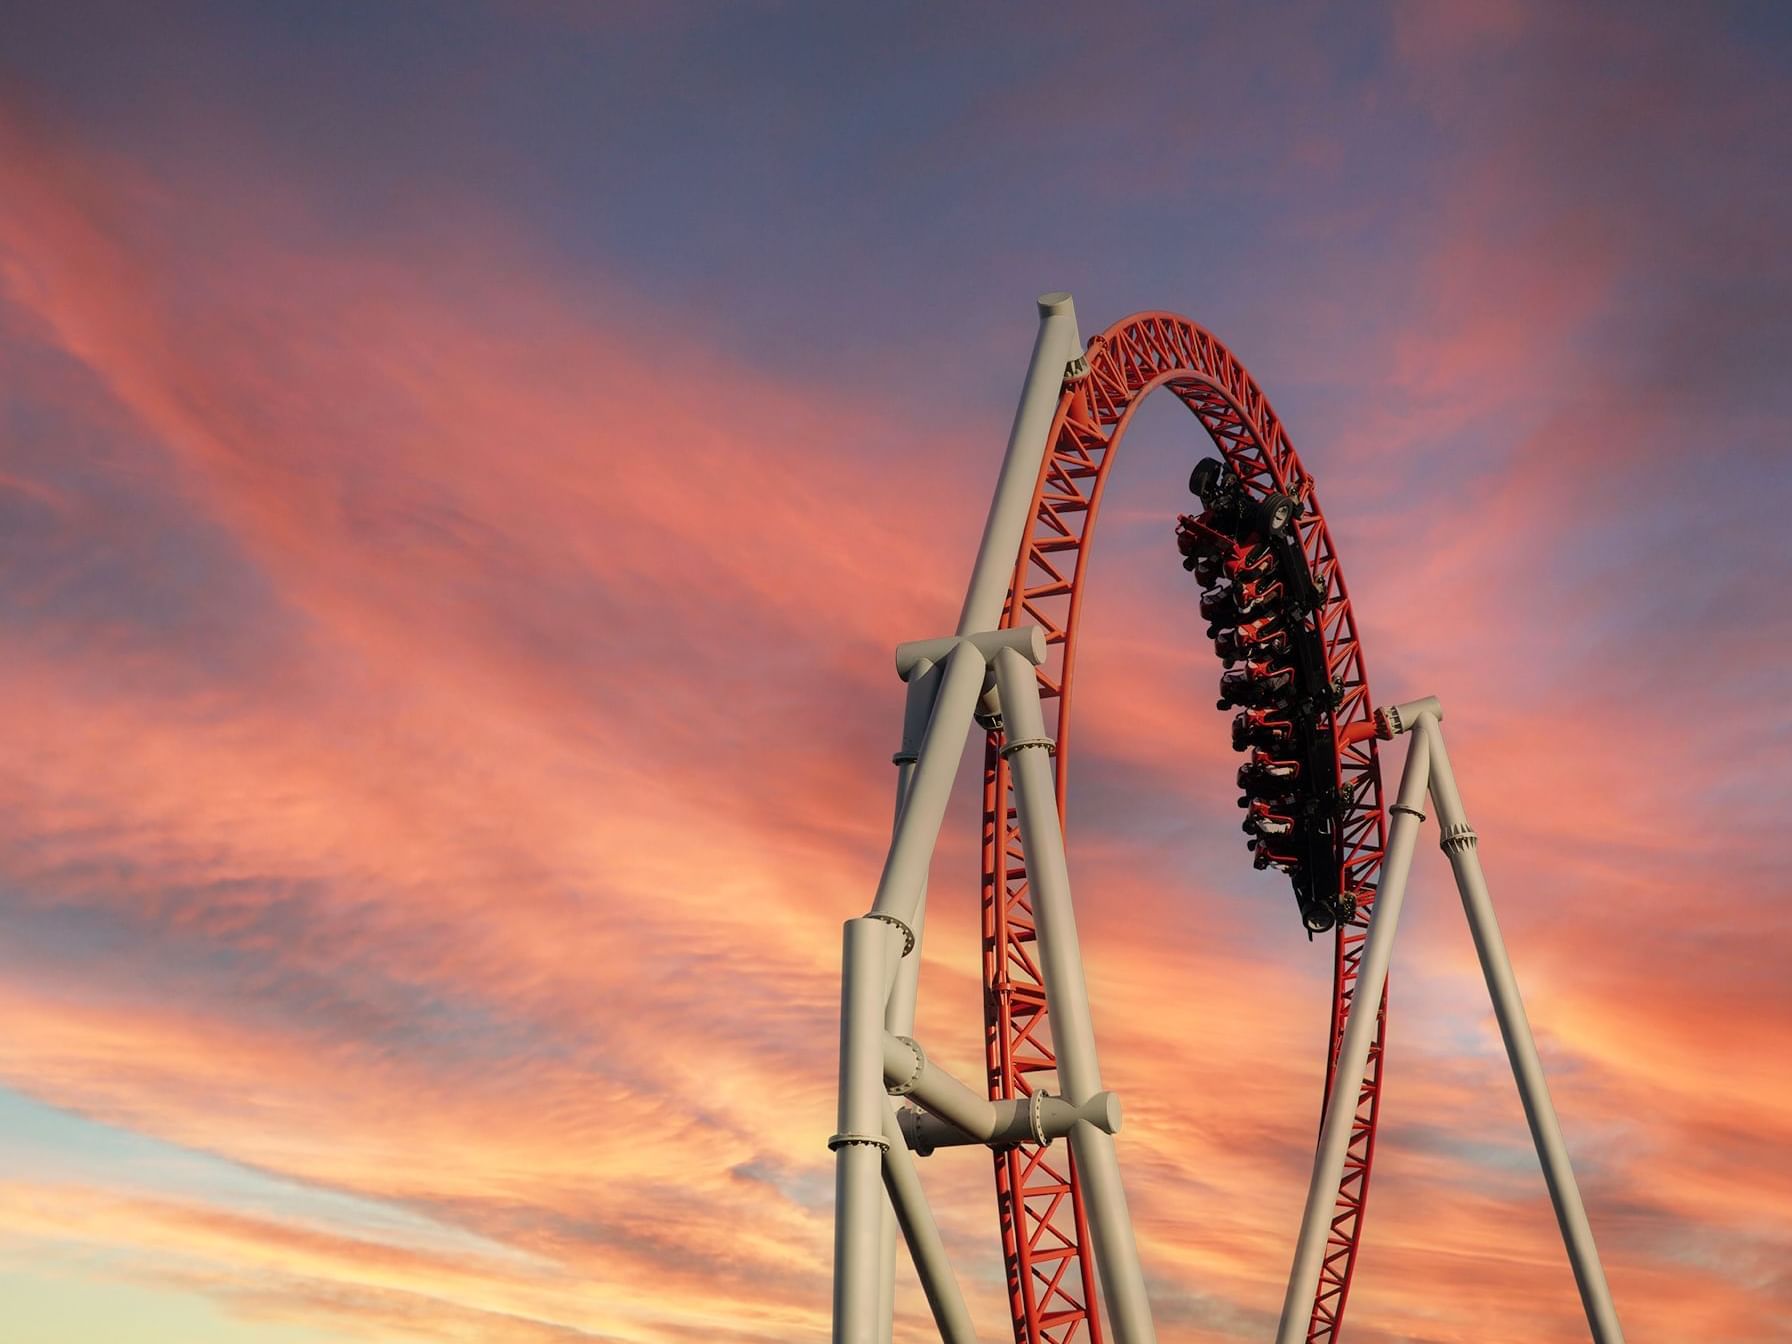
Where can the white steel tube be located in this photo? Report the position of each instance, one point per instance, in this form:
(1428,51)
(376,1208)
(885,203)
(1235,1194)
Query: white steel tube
(899,1013)
(868,947)
(907,1069)
(1055,346)
(1459,843)
(1039,1118)
(1353,1050)
(1067,998)
(900,887)
(923,1236)
(1404,717)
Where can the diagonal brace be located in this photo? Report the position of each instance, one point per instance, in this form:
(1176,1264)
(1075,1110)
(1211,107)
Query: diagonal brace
(1428,769)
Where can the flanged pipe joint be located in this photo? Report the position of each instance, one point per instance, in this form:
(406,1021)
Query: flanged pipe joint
(1039,1119)
(1392,720)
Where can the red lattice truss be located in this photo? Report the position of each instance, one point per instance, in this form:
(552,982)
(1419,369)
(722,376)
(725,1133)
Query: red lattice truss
(1051,1279)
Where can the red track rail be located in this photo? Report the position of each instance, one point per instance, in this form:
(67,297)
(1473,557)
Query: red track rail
(1051,1279)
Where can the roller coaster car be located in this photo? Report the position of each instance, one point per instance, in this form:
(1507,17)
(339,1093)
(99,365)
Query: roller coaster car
(1317,916)
(1265,637)
(1210,569)
(1234,603)
(1247,562)
(1231,509)
(1267,776)
(1219,608)
(1198,542)
(1263,628)
(1317,880)
(1275,645)
(1260,728)
(1261,819)
(1273,852)
(1261,604)
(1258,684)
(1251,596)
(1213,482)
(1213,553)
(1268,522)
(1316,913)
(1321,698)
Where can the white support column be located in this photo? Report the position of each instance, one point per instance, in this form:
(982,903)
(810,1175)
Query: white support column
(869,948)
(1055,346)
(937,720)
(1353,1050)
(899,1013)
(1067,998)
(1428,770)
(1459,843)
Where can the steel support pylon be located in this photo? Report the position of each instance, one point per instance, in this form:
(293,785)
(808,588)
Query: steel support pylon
(877,993)
(988,673)
(1428,769)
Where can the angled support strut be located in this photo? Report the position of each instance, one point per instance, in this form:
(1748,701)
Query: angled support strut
(879,962)
(1428,769)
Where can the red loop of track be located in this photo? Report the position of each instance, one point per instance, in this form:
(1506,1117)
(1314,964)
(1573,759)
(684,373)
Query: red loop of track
(1051,1278)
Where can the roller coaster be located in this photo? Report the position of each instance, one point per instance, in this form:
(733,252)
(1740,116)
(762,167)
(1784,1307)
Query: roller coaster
(1279,617)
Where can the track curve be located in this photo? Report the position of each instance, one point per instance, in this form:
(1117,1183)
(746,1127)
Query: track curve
(1051,1277)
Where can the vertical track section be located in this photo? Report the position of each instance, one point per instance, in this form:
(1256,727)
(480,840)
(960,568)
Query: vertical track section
(1045,1240)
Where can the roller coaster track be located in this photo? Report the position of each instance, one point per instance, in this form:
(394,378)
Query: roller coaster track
(1050,1274)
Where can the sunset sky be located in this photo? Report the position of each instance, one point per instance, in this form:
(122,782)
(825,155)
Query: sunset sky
(464,467)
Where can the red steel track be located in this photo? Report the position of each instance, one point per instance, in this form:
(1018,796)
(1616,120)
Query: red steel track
(1051,1277)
